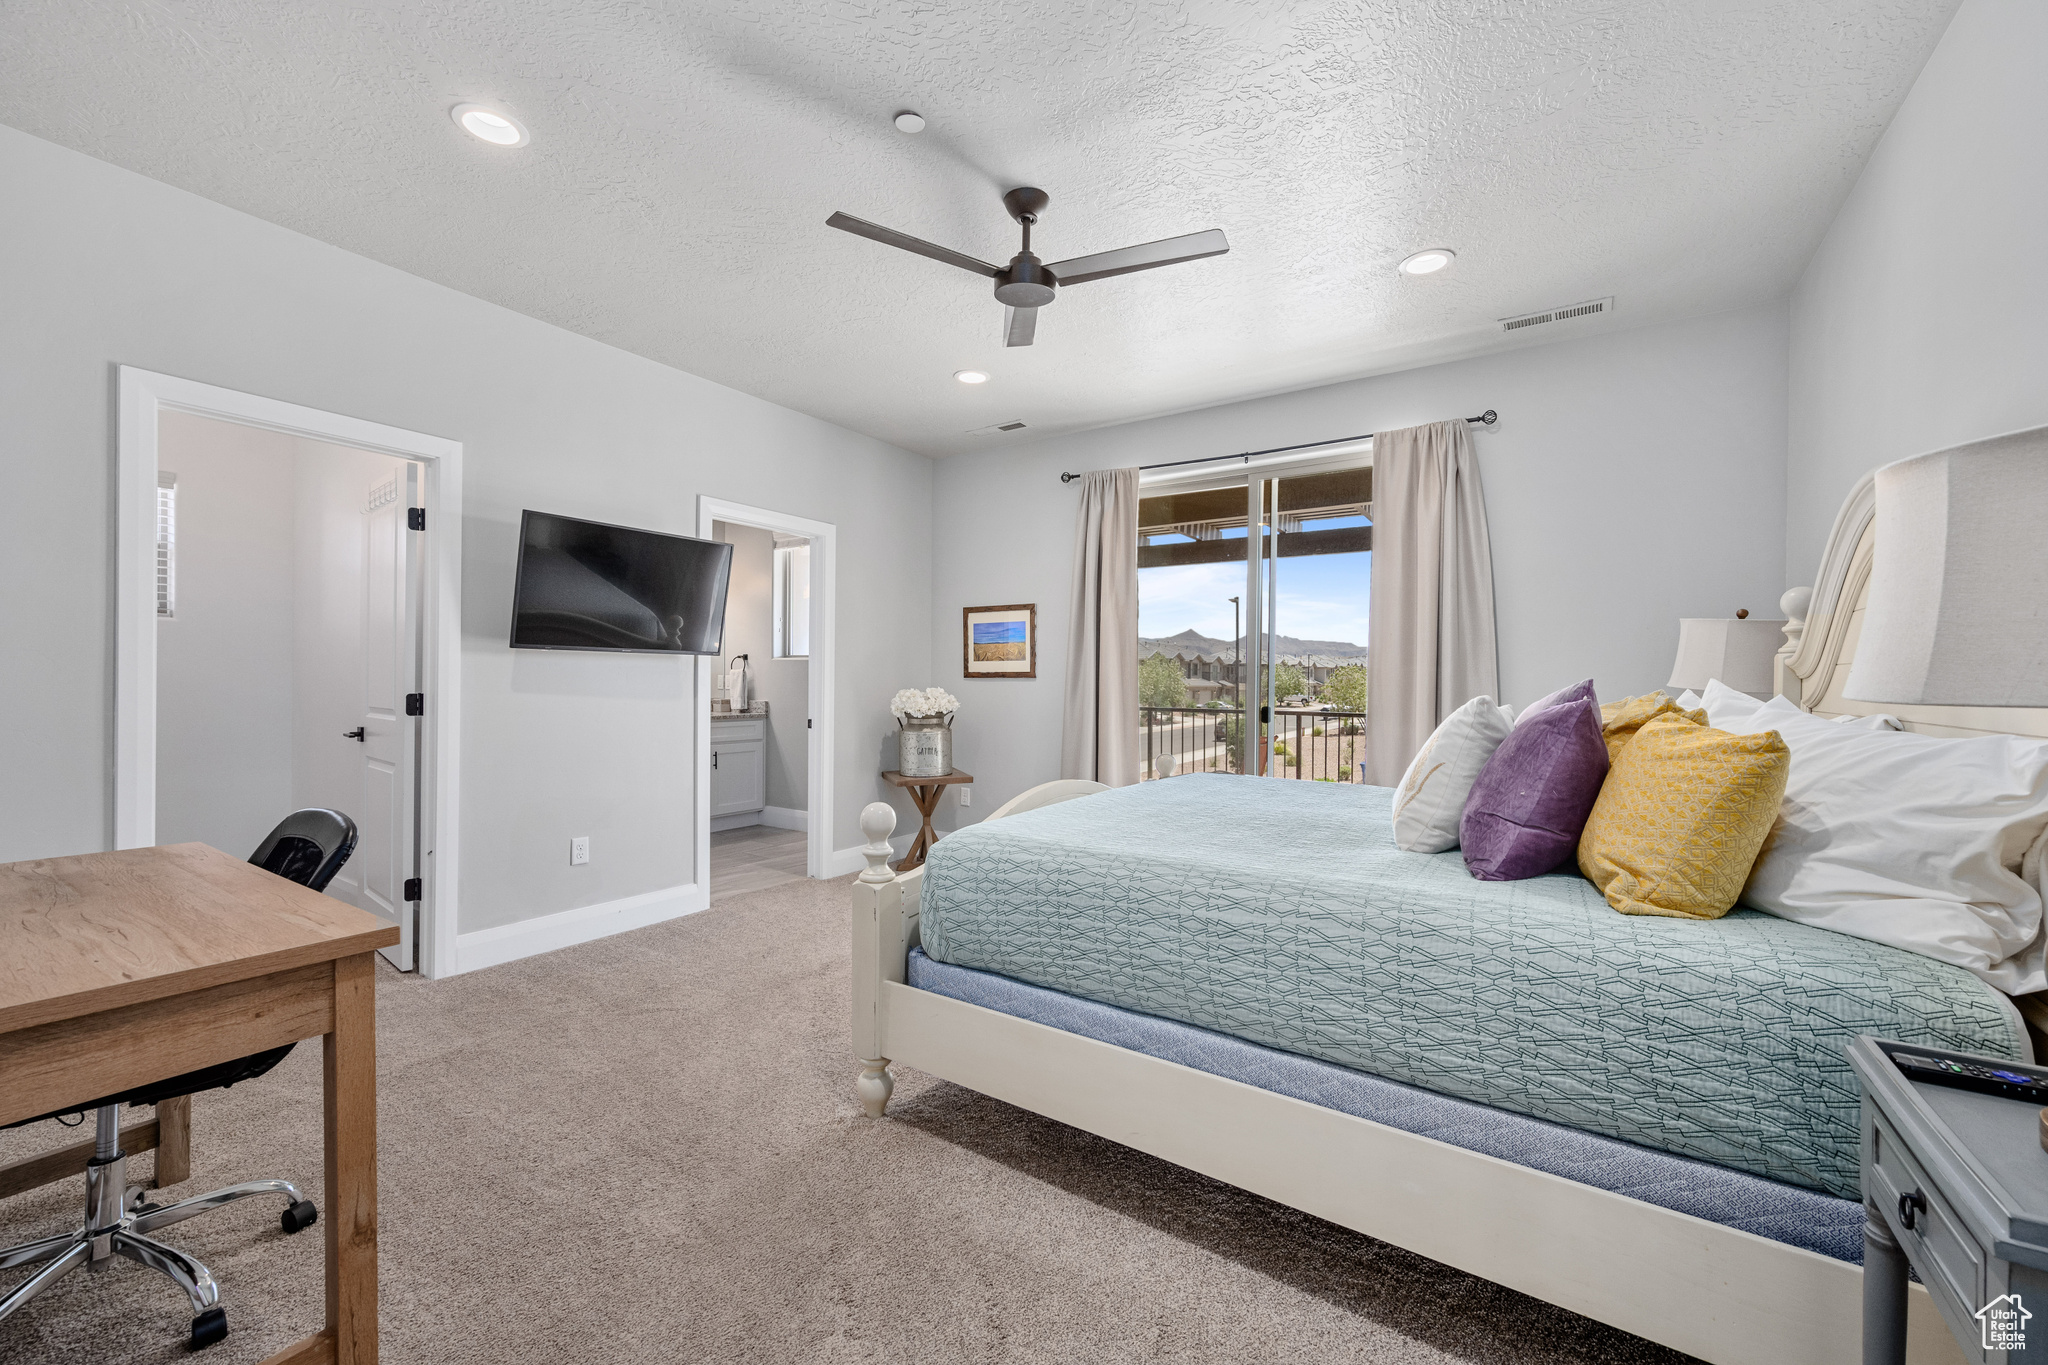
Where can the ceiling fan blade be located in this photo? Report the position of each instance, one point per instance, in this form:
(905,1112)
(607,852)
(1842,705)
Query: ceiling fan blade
(861,227)
(1124,260)
(1019,326)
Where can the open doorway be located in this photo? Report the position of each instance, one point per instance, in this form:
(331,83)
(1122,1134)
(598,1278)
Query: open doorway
(765,737)
(288,660)
(287,636)
(761,713)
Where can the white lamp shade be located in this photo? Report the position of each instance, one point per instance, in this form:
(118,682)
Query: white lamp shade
(1738,652)
(1958,607)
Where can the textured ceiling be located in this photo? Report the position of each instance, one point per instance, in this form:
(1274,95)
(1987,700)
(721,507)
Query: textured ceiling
(1682,155)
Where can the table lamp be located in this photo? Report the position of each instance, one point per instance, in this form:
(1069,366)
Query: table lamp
(1738,651)
(1958,607)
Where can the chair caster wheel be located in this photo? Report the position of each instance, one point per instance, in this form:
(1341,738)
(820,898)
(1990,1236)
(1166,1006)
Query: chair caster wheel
(299,1216)
(209,1327)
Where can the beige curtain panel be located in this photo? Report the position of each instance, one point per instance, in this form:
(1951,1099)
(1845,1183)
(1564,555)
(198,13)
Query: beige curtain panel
(1100,739)
(1432,645)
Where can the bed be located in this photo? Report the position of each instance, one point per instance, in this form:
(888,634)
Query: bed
(1193,1006)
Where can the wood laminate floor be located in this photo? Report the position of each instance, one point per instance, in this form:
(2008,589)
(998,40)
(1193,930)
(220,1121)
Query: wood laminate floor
(754,859)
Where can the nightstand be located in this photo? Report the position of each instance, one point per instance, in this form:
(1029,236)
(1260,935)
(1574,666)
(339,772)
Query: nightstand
(1956,1183)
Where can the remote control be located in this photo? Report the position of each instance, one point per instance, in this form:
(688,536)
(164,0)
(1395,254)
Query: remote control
(1989,1080)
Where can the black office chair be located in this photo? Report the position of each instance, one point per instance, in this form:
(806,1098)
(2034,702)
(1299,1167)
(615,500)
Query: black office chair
(308,847)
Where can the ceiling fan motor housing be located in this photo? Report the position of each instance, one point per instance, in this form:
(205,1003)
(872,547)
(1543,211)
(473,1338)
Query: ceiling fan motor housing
(1027,283)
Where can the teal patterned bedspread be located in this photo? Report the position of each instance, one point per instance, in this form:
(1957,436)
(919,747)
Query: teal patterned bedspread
(1281,912)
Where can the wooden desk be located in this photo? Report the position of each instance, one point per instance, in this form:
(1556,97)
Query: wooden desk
(117,969)
(924,793)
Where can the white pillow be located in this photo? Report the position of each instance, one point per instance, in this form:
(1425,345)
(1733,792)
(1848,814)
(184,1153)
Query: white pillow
(1880,721)
(1931,845)
(1730,710)
(1430,801)
(1689,700)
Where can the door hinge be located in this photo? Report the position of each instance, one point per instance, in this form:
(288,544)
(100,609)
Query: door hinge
(415,703)
(415,518)
(412,888)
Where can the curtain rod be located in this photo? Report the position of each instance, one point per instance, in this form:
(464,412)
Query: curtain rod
(1487,418)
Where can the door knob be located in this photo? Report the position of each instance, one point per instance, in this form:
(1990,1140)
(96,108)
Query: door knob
(355,734)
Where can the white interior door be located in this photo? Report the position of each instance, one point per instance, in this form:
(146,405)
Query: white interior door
(387,819)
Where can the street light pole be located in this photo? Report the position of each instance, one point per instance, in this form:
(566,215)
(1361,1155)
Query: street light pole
(1237,647)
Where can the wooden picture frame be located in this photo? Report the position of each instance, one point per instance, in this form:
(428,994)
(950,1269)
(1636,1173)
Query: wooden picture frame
(1002,655)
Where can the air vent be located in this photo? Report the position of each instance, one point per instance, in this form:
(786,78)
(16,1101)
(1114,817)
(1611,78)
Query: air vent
(998,429)
(1576,310)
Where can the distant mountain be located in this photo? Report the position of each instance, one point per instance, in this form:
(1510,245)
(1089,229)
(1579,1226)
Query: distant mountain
(1194,642)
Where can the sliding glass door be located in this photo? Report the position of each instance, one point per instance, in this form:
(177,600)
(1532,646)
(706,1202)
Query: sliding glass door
(1252,623)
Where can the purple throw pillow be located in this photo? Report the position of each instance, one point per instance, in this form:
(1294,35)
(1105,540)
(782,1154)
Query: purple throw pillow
(1578,691)
(1531,800)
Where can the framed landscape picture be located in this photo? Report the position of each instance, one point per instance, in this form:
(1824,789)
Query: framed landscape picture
(1000,642)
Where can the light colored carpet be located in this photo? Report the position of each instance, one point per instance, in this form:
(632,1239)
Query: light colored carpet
(647,1150)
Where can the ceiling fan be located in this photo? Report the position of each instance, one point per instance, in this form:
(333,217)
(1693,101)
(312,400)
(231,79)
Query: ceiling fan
(1026,284)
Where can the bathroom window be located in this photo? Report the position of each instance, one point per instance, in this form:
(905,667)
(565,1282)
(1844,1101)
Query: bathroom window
(792,598)
(166,543)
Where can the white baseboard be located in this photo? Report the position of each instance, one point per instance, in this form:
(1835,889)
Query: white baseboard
(785,817)
(545,933)
(775,817)
(845,860)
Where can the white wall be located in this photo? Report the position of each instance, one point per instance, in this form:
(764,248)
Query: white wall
(783,683)
(101,267)
(1922,320)
(1634,478)
(224,660)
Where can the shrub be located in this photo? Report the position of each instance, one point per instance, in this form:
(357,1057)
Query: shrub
(1343,774)
(1160,682)
(1346,690)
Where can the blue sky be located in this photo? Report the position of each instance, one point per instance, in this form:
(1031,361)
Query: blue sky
(1321,597)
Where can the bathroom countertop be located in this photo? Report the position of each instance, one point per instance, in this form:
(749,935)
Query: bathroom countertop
(759,711)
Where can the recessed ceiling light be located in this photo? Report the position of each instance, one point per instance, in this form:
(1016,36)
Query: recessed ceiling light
(1428,262)
(908,122)
(488,125)
(970,376)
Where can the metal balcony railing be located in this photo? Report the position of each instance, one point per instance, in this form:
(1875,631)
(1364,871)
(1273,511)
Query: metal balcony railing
(1319,746)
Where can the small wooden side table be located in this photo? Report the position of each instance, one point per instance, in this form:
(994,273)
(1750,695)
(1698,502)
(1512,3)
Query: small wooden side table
(925,792)
(1955,1183)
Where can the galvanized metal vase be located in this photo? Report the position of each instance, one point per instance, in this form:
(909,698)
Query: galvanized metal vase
(924,746)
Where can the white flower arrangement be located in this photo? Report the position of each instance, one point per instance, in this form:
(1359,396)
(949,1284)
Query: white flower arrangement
(931,701)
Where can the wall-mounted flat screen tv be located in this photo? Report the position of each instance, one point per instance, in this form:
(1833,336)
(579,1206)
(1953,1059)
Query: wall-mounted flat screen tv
(586,585)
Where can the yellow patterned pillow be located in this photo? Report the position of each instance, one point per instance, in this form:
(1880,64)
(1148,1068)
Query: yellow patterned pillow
(1619,720)
(1681,817)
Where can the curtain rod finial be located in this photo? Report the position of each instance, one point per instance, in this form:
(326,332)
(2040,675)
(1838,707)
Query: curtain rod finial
(1489,417)
(1068,478)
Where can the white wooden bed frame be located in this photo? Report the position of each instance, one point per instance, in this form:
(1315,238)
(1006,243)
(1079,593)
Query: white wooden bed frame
(1727,1296)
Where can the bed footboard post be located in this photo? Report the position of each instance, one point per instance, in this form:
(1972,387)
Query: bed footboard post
(884,930)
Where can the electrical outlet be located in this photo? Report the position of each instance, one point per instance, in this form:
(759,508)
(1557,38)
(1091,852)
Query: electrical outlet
(579,850)
(967,796)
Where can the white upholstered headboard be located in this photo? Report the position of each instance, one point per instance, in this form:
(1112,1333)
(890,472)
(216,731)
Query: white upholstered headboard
(1825,622)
